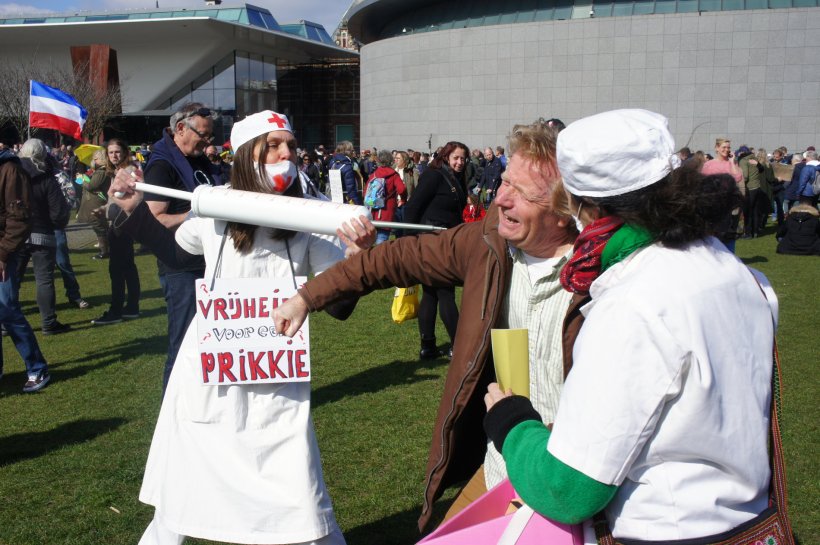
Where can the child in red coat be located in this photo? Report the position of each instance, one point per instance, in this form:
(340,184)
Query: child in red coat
(473,211)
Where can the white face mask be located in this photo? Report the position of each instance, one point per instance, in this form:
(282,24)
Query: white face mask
(280,176)
(576,217)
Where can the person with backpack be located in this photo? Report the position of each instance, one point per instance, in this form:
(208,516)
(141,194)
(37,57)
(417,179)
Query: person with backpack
(384,193)
(341,161)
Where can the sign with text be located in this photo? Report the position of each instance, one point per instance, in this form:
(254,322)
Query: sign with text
(237,341)
(336,191)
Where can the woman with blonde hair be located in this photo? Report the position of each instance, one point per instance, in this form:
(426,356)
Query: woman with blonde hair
(122,270)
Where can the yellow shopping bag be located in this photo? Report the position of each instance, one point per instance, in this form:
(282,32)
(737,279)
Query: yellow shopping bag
(405,304)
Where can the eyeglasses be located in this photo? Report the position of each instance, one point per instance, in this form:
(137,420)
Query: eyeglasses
(201,112)
(204,136)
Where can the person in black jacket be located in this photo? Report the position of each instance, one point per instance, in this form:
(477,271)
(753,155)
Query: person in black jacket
(49,211)
(439,198)
(800,233)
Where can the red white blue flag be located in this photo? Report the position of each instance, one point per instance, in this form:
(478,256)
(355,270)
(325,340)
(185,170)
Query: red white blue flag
(51,108)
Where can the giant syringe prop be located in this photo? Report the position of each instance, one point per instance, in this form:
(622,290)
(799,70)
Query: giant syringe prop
(276,211)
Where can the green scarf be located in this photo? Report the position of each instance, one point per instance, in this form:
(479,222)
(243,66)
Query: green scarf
(626,240)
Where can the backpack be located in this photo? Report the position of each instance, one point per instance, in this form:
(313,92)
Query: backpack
(815,185)
(67,187)
(374,198)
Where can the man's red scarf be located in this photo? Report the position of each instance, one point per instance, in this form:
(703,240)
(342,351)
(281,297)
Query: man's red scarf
(585,264)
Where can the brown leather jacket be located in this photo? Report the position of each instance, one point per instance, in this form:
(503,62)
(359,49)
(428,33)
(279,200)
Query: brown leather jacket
(472,255)
(15,214)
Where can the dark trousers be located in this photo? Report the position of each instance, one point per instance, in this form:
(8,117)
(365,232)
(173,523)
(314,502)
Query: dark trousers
(43,260)
(445,300)
(72,287)
(123,273)
(778,206)
(753,206)
(180,300)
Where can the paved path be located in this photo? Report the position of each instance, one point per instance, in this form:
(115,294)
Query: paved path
(79,235)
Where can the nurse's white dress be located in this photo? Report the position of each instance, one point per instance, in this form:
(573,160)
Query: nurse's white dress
(240,463)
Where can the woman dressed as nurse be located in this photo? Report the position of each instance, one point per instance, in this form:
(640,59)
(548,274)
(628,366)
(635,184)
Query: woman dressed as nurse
(239,463)
(664,419)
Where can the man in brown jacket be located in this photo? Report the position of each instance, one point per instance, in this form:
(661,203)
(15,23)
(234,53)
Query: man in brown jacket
(509,266)
(15,225)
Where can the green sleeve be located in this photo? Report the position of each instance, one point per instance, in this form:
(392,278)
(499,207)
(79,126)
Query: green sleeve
(546,484)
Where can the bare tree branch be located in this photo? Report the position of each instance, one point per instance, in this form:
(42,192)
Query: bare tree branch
(14,93)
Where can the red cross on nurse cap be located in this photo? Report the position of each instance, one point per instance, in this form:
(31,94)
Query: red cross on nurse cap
(256,124)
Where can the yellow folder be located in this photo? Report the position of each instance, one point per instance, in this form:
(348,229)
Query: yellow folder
(512,361)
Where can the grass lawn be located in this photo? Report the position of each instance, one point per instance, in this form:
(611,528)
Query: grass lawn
(72,456)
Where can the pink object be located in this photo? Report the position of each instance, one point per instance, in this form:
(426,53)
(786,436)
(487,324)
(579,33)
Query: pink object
(484,521)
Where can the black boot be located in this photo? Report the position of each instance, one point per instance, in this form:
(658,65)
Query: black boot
(429,350)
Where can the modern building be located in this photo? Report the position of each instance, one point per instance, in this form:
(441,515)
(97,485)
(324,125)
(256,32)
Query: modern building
(437,70)
(236,59)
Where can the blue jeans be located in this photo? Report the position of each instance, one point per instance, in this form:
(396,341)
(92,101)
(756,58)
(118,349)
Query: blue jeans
(72,287)
(382,235)
(180,300)
(11,316)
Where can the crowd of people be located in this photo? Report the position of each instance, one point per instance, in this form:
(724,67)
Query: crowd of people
(575,236)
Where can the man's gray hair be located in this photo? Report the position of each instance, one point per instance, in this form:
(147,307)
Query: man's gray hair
(810,155)
(35,149)
(384,158)
(189,110)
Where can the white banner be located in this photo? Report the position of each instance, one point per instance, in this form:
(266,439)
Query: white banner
(238,343)
(336,191)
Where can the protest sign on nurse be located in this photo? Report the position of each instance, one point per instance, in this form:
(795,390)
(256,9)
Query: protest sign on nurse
(238,343)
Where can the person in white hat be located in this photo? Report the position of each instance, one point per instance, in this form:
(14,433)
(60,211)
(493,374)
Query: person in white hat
(239,463)
(664,418)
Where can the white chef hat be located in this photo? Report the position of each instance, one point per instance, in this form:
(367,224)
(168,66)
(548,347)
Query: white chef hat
(256,124)
(615,152)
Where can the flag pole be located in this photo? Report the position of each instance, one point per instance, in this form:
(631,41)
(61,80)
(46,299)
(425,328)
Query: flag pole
(29,110)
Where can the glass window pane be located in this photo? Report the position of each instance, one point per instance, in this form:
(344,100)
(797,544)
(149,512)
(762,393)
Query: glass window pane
(270,22)
(780,4)
(562,12)
(507,18)
(687,6)
(205,81)
(229,14)
(804,3)
(581,11)
(161,15)
(224,78)
(664,6)
(621,8)
(709,5)
(225,99)
(526,11)
(269,76)
(243,69)
(255,18)
(644,7)
(256,74)
(205,96)
(207,13)
(732,5)
(605,10)
(139,15)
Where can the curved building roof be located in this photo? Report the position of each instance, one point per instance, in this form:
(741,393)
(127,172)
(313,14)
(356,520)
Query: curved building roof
(372,20)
